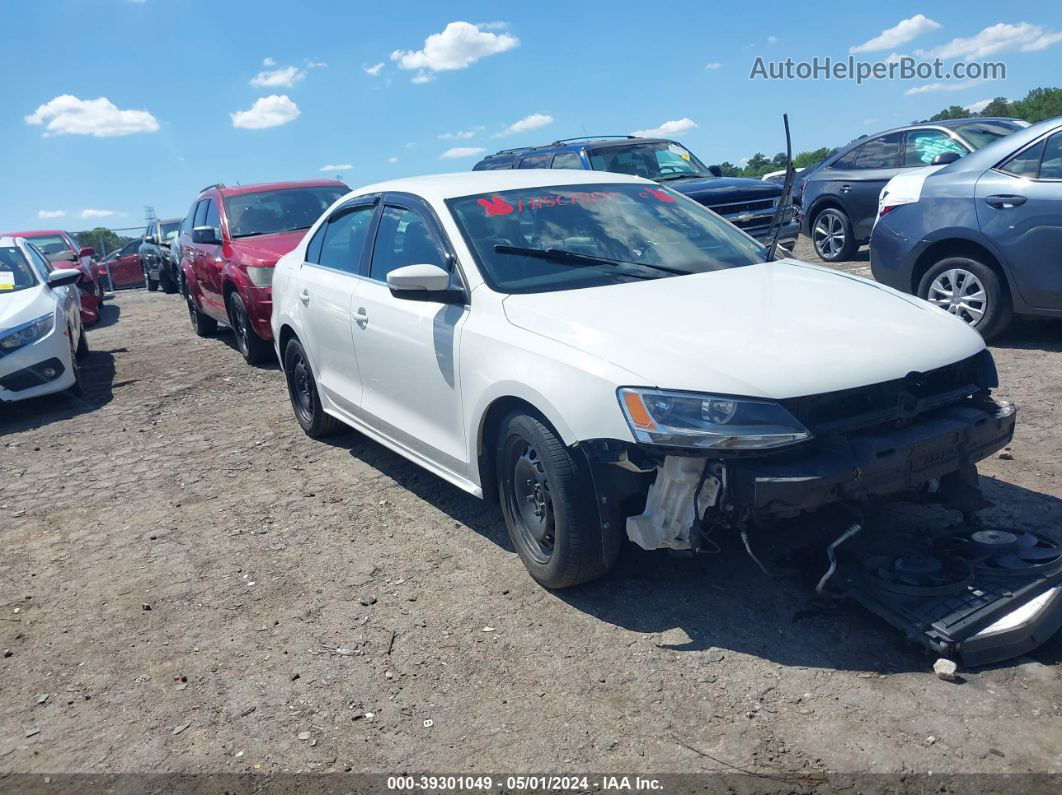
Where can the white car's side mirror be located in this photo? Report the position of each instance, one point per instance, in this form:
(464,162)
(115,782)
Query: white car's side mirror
(419,278)
(63,276)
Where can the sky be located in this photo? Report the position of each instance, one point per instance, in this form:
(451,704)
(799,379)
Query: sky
(111,106)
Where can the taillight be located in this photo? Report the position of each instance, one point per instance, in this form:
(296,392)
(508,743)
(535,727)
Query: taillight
(887,208)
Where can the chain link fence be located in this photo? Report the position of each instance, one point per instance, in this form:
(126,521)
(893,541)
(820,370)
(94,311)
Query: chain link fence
(117,256)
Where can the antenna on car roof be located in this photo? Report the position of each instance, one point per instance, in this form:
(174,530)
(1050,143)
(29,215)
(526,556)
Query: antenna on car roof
(787,191)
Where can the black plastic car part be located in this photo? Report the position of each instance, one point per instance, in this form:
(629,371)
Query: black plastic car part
(977,596)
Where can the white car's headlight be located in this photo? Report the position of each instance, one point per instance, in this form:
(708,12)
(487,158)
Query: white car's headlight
(686,419)
(259,276)
(21,336)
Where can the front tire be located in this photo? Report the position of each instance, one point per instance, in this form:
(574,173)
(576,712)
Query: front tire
(832,236)
(302,391)
(547,500)
(166,282)
(254,349)
(82,346)
(970,290)
(76,389)
(152,284)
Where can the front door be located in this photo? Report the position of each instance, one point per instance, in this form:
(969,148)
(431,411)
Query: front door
(1019,208)
(408,350)
(325,288)
(876,164)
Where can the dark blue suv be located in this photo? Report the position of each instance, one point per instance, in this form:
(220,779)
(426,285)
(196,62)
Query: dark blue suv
(749,204)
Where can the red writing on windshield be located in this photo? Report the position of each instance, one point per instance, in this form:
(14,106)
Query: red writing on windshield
(496,205)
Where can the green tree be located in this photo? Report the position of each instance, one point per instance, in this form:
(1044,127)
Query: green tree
(997,107)
(757,166)
(729,169)
(952,112)
(1039,104)
(805,159)
(102,239)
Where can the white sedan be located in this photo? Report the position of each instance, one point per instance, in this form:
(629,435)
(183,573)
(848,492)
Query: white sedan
(610,359)
(41,336)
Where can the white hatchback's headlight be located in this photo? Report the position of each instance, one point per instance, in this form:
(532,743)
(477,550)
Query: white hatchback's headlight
(21,336)
(259,276)
(687,419)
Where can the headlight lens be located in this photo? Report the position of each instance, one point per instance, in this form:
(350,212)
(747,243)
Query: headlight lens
(259,276)
(21,336)
(685,419)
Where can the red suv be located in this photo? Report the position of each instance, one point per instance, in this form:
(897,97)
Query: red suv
(63,251)
(233,238)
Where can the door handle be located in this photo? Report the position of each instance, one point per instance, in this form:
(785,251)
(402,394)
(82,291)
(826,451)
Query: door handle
(361,317)
(1002,201)
(846,188)
(304,296)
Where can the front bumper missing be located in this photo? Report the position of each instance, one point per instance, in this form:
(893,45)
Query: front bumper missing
(873,463)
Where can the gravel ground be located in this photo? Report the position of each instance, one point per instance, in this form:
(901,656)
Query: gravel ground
(190,584)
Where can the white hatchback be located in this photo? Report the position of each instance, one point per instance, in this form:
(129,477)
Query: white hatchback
(609,359)
(41,336)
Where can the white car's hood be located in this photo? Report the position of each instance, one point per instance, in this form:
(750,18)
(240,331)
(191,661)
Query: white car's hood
(22,306)
(776,330)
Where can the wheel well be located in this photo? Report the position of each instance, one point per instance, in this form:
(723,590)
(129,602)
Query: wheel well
(823,204)
(227,290)
(487,440)
(286,333)
(954,248)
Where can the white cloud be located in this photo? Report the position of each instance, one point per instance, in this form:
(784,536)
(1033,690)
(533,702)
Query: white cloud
(50,213)
(713,65)
(954,85)
(99,213)
(977,107)
(458,46)
(285,76)
(68,115)
(337,167)
(374,70)
(668,129)
(315,64)
(462,151)
(995,39)
(392,160)
(461,135)
(422,77)
(772,39)
(271,111)
(533,122)
(901,33)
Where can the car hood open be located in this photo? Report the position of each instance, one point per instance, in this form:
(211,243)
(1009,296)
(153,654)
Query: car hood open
(775,330)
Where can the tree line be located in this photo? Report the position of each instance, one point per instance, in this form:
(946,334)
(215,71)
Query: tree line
(1037,105)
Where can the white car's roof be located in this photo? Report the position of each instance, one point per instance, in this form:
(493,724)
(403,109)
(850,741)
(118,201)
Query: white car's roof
(436,187)
(8,242)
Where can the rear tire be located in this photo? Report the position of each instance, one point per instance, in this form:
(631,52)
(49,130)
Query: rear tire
(254,349)
(302,391)
(202,325)
(832,236)
(547,500)
(975,287)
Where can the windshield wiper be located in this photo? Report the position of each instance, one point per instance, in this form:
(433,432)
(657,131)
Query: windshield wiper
(574,258)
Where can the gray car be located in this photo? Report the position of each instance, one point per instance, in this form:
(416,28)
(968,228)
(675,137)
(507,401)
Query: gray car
(982,236)
(839,198)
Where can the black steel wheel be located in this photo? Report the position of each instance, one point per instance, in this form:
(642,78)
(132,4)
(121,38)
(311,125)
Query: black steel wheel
(302,391)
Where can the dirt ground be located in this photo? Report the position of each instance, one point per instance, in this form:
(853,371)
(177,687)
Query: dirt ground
(176,553)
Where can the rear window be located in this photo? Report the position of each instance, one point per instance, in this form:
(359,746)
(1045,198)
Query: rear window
(50,244)
(494,163)
(15,271)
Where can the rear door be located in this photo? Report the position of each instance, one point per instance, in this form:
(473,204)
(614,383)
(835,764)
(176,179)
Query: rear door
(875,164)
(325,287)
(408,350)
(1019,207)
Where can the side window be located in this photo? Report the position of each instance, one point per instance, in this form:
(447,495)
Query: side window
(200,214)
(44,267)
(847,161)
(1026,163)
(1051,168)
(923,145)
(567,160)
(343,239)
(212,217)
(403,239)
(536,161)
(879,152)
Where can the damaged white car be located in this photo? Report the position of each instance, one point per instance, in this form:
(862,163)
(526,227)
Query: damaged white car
(610,360)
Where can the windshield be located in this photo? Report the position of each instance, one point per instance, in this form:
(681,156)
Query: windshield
(169,231)
(50,244)
(563,238)
(275,211)
(980,134)
(658,161)
(15,272)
